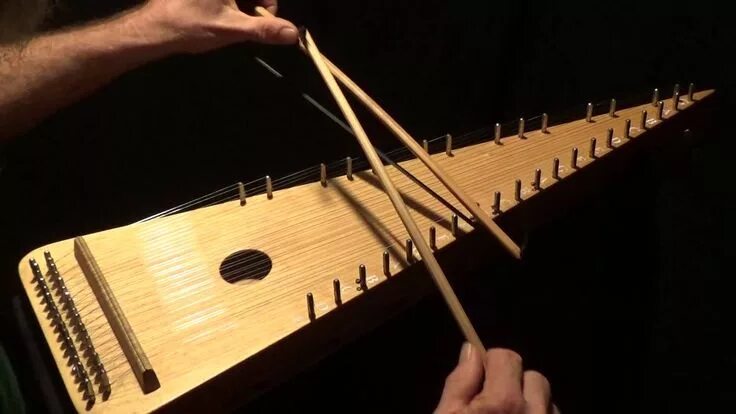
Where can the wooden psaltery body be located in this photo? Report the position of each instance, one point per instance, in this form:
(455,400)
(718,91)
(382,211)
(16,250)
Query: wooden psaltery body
(197,330)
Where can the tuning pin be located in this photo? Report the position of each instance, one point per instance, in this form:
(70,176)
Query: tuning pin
(627,129)
(269,187)
(241,191)
(655,97)
(337,292)
(363,277)
(591,152)
(454,225)
(537,184)
(609,138)
(409,251)
(660,110)
(612,109)
(589,113)
(517,190)
(448,145)
(323,174)
(574,158)
(433,238)
(676,99)
(496,209)
(349,168)
(691,92)
(643,122)
(386,264)
(556,168)
(545,123)
(310,307)
(521,128)
(497,134)
(425,145)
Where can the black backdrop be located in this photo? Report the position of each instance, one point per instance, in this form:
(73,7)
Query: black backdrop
(626,316)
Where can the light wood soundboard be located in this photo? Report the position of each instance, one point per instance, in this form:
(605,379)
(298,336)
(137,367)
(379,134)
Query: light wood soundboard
(194,327)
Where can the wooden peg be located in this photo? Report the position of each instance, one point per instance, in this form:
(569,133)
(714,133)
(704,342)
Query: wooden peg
(310,307)
(496,210)
(537,184)
(337,292)
(241,192)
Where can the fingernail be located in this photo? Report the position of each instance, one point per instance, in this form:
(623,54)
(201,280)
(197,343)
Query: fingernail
(288,35)
(466,353)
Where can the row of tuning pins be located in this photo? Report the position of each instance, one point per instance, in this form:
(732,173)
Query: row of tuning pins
(656,102)
(593,146)
(362,280)
(496,209)
(95,364)
(65,336)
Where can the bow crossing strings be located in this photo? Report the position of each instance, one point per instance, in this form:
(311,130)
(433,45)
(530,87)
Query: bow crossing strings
(309,175)
(94,318)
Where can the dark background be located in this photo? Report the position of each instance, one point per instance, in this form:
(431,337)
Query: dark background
(630,314)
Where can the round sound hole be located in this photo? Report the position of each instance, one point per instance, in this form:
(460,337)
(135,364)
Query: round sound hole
(245,265)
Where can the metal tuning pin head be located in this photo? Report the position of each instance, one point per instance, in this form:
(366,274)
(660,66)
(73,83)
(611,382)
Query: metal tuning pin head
(545,123)
(241,191)
(337,292)
(609,138)
(574,158)
(269,187)
(643,122)
(517,190)
(425,145)
(496,209)
(537,185)
(521,128)
(363,277)
(386,264)
(627,129)
(676,99)
(612,109)
(323,174)
(433,238)
(655,97)
(454,224)
(497,134)
(591,152)
(556,168)
(676,89)
(349,168)
(660,111)
(448,145)
(409,251)
(310,307)
(691,92)
(589,113)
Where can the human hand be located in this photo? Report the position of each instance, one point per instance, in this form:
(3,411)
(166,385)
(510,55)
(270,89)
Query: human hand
(195,26)
(494,383)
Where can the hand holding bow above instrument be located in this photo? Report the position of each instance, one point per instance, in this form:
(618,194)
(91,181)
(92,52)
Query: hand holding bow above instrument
(48,71)
(198,26)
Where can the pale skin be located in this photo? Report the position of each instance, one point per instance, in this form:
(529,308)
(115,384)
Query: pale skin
(50,71)
(53,70)
(494,382)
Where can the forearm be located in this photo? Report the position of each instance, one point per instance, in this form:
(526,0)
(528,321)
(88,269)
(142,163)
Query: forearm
(55,70)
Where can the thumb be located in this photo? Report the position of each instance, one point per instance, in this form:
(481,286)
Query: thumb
(269,30)
(463,383)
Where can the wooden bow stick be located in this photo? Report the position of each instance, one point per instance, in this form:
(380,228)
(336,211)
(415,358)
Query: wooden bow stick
(424,251)
(420,153)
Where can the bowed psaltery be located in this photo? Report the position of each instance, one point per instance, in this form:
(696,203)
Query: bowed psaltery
(224,295)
